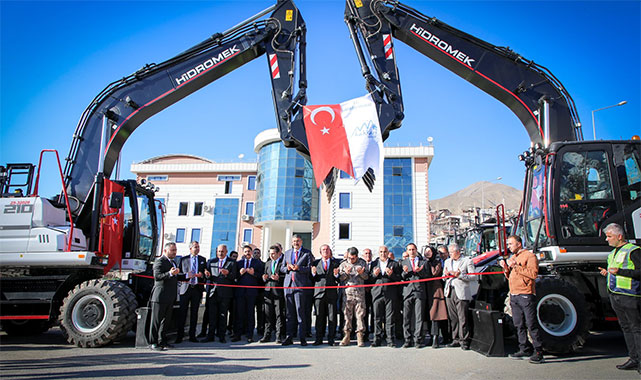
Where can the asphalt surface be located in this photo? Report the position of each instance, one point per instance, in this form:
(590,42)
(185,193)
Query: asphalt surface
(47,356)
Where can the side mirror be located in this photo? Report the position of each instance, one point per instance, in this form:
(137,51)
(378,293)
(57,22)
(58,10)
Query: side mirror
(115,200)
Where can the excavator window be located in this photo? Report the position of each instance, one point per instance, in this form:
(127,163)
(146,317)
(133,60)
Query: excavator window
(626,161)
(586,193)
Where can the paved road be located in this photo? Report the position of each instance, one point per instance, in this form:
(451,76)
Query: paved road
(48,357)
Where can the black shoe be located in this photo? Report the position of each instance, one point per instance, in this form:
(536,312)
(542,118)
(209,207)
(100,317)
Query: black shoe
(331,343)
(288,341)
(454,344)
(222,340)
(537,357)
(207,340)
(303,342)
(407,344)
(419,345)
(193,339)
(521,355)
(235,338)
(201,335)
(465,347)
(167,346)
(179,340)
(279,340)
(376,343)
(156,347)
(250,340)
(265,339)
(317,342)
(391,344)
(630,364)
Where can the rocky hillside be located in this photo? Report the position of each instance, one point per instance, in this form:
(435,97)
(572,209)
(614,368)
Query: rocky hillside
(473,195)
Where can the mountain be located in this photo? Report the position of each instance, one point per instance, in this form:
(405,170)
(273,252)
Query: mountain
(484,192)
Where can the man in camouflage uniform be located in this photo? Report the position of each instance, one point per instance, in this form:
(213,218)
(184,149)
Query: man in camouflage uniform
(353,271)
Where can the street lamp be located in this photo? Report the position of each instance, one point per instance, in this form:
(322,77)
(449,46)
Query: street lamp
(614,105)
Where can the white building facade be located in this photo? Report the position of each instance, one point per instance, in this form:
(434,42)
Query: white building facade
(265,202)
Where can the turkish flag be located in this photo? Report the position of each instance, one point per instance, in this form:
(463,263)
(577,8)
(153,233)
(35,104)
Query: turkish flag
(328,145)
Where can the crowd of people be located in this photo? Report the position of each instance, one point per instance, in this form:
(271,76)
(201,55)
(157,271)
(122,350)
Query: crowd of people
(277,298)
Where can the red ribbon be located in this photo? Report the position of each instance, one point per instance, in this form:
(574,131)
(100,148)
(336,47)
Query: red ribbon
(334,286)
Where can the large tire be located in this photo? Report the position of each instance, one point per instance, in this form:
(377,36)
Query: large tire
(97,312)
(563,315)
(25,327)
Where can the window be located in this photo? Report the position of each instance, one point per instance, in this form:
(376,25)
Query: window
(247,235)
(398,230)
(228,187)
(344,231)
(251,182)
(397,171)
(586,194)
(182,208)
(223,178)
(344,200)
(198,209)
(344,175)
(180,235)
(626,160)
(195,234)
(157,178)
(299,172)
(249,208)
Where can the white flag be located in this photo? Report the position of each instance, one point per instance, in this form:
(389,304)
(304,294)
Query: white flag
(363,135)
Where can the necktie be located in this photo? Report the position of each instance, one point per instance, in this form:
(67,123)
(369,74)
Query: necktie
(414,264)
(194,269)
(295,261)
(325,265)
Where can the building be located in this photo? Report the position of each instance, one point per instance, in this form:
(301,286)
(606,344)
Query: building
(265,202)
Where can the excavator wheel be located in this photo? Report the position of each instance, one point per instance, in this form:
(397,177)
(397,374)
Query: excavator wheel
(562,314)
(97,312)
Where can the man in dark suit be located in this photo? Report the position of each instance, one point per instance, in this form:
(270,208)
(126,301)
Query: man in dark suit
(325,273)
(163,296)
(369,314)
(191,291)
(248,273)
(414,296)
(221,270)
(274,299)
(295,267)
(384,270)
(260,295)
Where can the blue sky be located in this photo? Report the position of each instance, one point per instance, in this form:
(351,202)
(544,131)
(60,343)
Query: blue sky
(56,56)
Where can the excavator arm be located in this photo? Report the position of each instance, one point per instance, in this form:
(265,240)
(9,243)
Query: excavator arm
(537,98)
(126,103)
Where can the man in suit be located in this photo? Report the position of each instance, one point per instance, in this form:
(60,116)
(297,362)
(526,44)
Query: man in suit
(248,273)
(296,269)
(325,273)
(414,296)
(458,294)
(163,296)
(221,270)
(191,291)
(384,270)
(369,314)
(274,299)
(260,296)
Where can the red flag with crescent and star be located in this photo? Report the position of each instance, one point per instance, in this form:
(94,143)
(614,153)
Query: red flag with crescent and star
(327,140)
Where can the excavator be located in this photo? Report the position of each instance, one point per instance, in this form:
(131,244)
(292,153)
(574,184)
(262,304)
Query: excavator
(56,254)
(572,188)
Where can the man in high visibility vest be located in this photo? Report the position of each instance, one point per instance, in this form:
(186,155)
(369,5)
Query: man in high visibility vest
(624,287)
